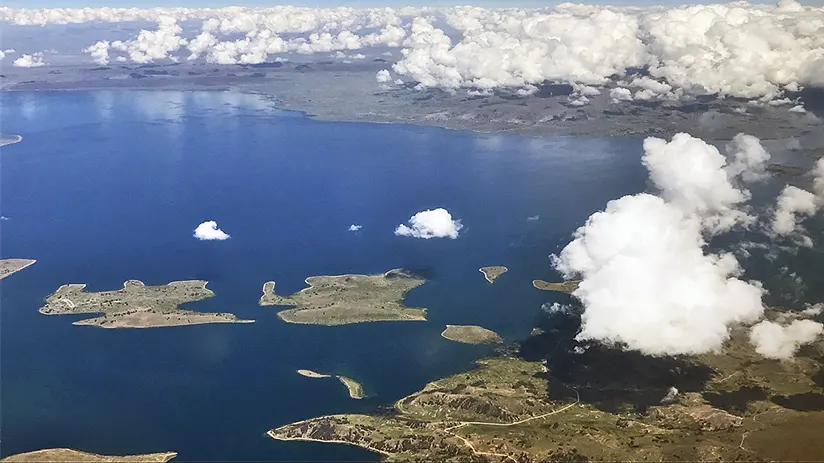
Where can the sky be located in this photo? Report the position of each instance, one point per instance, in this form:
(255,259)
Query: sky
(332,3)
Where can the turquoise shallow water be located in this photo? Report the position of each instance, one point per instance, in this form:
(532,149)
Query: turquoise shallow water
(108,186)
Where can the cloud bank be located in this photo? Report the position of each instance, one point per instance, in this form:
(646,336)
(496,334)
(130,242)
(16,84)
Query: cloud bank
(209,231)
(735,49)
(434,223)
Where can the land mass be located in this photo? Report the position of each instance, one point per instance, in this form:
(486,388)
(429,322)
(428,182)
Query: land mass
(75,456)
(732,406)
(10,140)
(470,334)
(344,299)
(9,266)
(355,389)
(493,272)
(312,374)
(137,305)
(568,287)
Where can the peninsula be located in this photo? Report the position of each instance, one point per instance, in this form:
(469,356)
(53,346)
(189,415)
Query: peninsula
(471,334)
(568,287)
(492,273)
(344,299)
(136,305)
(76,456)
(355,389)
(9,266)
(730,406)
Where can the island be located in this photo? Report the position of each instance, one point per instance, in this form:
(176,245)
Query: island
(568,287)
(76,456)
(492,273)
(312,374)
(9,266)
(10,140)
(471,334)
(345,299)
(600,404)
(355,389)
(137,305)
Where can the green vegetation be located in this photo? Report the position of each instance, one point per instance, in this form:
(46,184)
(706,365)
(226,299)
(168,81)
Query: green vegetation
(344,299)
(136,305)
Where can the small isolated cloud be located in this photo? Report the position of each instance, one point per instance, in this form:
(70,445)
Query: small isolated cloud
(29,61)
(383,76)
(434,223)
(354,228)
(208,231)
(533,218)
(776,341)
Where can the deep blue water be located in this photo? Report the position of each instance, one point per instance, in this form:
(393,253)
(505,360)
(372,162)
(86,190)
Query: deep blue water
(108,186)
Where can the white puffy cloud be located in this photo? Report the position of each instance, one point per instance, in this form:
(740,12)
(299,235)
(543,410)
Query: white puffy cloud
(383,76)
(695,177)
(431,223)
(792,204)
(149,45)
(813,310)
(620,94)
(209,231)
(99,52)
(354,227)
(776,341)
(648,282)
(29,61)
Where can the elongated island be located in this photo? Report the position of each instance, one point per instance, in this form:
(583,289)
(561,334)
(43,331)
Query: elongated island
(137,305)
(345,299)
(568,287)
(10,266)
(471,334)
(76,456)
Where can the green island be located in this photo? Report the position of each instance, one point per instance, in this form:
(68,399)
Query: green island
(345,299)
(137,305)
(493,272)
(355,389)
(471,334)
(568,287)
(9,266)
(76,456)
(735,406)
(10,140)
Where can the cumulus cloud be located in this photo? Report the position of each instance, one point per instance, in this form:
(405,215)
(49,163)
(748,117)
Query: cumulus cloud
(99,52)
(813,310)
(383,76)
(29,61)
(649,283)
(776,341)
(794,204)
(696,178)
(209,231)
(431,223)
(354,228)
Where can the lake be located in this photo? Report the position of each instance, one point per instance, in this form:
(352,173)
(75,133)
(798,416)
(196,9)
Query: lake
(108,186)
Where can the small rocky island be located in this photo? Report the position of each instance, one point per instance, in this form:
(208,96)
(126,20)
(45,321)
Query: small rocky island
(492,273)
(471,334)
(568,287)
(344,299)
(9,266)
(75,456)
(355,389)
(137,305)
(596,403)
